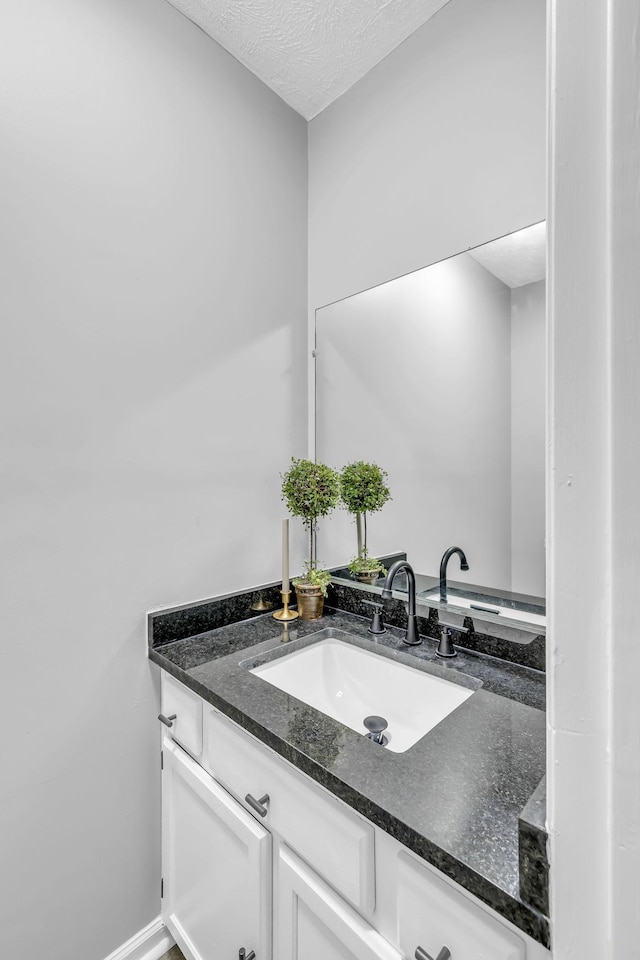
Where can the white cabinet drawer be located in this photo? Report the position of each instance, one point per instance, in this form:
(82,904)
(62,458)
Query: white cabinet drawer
(323,830)
(433,913)
(186,728)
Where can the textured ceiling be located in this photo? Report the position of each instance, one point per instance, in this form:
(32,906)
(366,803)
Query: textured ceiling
(309,51)
(518,258)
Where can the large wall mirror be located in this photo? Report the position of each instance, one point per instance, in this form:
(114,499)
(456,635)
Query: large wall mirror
(439,377)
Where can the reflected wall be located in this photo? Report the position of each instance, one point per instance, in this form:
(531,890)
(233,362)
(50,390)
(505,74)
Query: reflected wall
(438,376)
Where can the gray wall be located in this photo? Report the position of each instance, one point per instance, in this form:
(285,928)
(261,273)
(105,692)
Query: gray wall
(528,449)
(153,296)
(415,375)
(438,148)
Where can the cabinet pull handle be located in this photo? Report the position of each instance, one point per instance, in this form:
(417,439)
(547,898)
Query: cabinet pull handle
(243,955)
(168,721)
(260,807)
(421,954)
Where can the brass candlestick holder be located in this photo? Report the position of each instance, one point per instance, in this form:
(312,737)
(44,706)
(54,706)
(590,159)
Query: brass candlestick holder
(261,605)
(285,613)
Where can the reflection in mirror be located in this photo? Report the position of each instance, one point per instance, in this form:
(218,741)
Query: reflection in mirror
(438,376)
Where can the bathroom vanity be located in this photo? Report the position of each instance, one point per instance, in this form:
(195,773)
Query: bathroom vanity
(287,833)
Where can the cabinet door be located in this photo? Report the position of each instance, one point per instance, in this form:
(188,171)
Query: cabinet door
(216,866)
(432,913)
(314,923)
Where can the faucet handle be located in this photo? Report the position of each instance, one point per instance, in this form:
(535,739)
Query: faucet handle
(446,649)
(421,954)
(376,627)
(451,626)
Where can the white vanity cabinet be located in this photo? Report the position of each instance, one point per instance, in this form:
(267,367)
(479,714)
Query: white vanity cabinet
(246,836)
(216,865)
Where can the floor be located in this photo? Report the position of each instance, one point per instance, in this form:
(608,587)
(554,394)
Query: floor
(174,954)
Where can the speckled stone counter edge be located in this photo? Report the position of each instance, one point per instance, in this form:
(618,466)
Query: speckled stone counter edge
(532,851)
(179,623)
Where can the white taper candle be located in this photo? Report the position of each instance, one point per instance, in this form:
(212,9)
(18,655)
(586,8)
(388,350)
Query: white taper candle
(285,556)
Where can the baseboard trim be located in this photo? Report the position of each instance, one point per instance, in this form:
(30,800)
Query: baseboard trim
(150,943)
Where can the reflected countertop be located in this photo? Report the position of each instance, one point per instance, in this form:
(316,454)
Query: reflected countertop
(517,617)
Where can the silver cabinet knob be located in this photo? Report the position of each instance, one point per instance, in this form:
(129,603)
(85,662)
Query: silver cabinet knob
(168,721)
(421,954)
(243,955)
(260,806)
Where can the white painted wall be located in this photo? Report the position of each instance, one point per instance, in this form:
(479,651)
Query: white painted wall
(623,239)
(438,148)
(415,375)
(528,449)
(593,507)
(153,294)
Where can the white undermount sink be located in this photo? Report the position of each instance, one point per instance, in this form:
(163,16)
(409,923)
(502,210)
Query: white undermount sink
(477,606)
(349,683)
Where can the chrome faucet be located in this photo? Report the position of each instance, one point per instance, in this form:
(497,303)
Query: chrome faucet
(412,637)
(446,556)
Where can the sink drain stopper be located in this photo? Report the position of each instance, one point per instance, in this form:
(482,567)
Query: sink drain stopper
(375,726)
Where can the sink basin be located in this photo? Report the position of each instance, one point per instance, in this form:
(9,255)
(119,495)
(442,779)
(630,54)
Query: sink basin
(481,604)
(349,683)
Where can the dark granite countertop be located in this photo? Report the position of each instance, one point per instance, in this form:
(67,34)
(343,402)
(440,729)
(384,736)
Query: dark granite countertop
(454,797)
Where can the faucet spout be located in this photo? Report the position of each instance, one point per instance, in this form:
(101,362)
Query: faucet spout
(446,556)
(412,637)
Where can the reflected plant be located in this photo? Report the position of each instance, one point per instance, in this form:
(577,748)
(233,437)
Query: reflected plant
(363,489)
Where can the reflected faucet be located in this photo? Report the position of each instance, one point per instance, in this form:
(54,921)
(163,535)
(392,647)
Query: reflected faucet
(412,637)
(446,556)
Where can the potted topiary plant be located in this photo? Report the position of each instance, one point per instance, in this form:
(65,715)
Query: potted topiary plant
(310,490)
(363,489)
